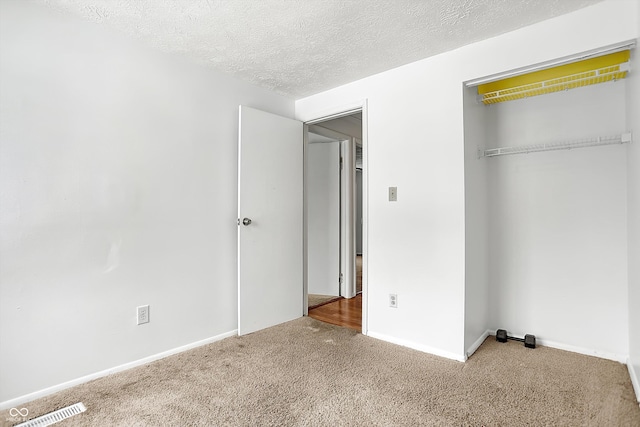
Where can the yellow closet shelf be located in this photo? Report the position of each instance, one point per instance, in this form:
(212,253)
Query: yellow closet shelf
(591,71)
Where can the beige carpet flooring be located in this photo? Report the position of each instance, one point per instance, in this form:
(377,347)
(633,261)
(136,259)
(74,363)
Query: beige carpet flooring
(308,373)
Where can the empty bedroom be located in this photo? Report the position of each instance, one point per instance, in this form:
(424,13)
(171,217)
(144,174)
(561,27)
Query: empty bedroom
(180,179)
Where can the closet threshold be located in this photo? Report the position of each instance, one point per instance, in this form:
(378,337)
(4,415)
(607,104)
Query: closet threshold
(622,138)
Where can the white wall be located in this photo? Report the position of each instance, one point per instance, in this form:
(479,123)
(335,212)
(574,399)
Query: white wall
(633,216)
(416,246)
(558,221)
(117,189)
(348,125)
(476,299)
(323,217)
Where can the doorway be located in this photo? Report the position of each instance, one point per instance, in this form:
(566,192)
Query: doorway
(334,200)
(270,220)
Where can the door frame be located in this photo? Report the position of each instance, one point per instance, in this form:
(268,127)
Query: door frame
(316,118)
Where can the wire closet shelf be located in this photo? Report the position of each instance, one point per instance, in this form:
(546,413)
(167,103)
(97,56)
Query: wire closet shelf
(623,138)
(585,78)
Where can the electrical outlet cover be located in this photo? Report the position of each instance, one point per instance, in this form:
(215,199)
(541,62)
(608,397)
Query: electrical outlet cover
(393,300)
(143,314)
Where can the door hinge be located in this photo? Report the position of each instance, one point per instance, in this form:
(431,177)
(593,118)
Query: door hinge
(340,279)
(341,162)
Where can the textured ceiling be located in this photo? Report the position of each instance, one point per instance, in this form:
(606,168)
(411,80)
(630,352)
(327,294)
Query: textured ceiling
(301,47)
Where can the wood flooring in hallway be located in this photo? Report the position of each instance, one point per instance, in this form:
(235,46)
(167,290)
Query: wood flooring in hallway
(343,312)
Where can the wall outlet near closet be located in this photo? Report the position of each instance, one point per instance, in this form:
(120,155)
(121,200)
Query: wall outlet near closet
(393,300)
(143,314)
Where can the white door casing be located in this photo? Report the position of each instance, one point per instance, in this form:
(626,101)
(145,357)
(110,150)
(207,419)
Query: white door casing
(348,217)
(270,195)
(317,117)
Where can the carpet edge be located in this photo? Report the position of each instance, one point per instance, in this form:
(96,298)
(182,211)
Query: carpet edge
(634,378)
(125,366)
(474,347)
(415,346)
(620,358)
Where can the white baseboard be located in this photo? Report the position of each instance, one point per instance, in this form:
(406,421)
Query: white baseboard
(477,344)
(416,346)
(12,403)
(589,352)
(634,378)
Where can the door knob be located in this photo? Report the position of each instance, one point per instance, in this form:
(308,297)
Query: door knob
(246,221)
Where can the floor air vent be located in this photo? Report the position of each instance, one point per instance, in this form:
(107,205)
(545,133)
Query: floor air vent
(55,416)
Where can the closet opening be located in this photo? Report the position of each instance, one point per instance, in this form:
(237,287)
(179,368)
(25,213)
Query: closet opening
(545,201)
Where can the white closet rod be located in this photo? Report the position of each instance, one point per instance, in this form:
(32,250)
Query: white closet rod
(565,145)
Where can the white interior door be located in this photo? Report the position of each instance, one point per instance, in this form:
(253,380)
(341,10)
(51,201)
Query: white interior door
(323,215)
(270,225)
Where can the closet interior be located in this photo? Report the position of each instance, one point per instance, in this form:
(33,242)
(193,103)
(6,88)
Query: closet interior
(546,204)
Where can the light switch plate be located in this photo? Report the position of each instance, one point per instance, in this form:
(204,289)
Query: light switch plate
(393,194)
